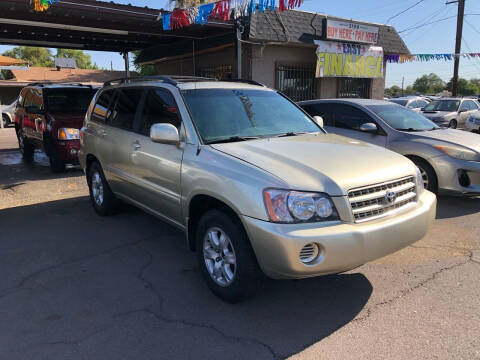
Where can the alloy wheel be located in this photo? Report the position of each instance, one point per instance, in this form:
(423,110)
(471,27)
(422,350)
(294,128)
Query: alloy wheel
(425,179)
(219,256)
(97,188)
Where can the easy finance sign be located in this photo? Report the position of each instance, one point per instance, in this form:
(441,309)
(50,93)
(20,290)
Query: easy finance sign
(335,59)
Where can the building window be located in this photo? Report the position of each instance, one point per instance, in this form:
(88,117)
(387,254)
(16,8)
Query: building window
(221,72)
(354,88)
(296,81)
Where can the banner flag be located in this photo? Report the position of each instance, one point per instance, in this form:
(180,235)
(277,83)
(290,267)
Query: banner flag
(335,59)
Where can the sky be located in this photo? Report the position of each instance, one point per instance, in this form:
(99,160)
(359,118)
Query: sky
(438,37)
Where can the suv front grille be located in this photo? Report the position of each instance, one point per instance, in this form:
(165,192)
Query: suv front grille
(375,201)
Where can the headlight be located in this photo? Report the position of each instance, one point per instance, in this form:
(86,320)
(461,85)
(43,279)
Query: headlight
(68,134)
(420,185)
(285,206)
(458,152)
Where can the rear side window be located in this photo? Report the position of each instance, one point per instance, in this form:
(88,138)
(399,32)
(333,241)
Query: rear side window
(21,97)
(68,100)
(349,117)
(123,115)
(101,109)
(323,110)
(160,107)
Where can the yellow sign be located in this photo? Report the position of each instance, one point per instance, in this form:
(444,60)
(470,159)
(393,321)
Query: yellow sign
(336,59)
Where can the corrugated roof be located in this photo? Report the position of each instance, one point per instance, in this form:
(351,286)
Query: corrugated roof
(41,74)
(304,27)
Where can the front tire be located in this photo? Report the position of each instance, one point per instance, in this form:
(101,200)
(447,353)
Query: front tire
(429,177)
(102,198)
(226,258)
(6,120)
(452,124)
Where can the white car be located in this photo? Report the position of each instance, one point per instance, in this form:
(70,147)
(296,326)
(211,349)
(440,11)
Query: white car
(473,122)
(8,113)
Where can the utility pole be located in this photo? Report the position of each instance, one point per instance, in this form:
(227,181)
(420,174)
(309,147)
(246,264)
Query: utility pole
(403,79)
(458,44)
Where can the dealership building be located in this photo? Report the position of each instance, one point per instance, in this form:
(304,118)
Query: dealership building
(305,55)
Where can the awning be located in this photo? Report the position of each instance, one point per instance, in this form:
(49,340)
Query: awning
(8,61)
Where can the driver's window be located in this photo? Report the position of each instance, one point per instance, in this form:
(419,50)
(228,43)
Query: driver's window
(471,105)
(349,117)
(464,106)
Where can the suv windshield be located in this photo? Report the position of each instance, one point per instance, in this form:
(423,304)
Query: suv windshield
(240,114)
(401,118)
(68,100)
(443,105)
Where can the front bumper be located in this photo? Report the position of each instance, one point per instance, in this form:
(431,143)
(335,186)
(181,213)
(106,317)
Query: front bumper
(470,126)
(344,246)
(68,150)
(450,170)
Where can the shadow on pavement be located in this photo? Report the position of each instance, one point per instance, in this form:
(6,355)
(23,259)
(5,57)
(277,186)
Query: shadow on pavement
(128,285)
(453,206)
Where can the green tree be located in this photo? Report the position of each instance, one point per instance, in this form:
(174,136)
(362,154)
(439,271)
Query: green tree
(180,4)
(393,91)
(409,90)
(35,56)
(465,87)
(426,84)
(144,70)
(84,60)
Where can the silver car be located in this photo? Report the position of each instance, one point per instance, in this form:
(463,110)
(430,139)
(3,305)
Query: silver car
(448,159)
(450,112)
(8,114)
(415,103)
(253,181)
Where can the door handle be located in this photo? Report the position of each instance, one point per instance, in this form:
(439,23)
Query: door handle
(136,145)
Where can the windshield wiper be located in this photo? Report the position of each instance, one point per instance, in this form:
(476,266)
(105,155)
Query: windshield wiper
(410,130)
(292,133)
(231,139)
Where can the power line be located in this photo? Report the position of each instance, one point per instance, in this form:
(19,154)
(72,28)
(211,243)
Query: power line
(404,11)
(428,23)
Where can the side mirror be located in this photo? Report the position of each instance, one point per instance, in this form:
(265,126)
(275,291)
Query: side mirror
(422,109)
(165,134)
(319,120)
(34,110)
(369,127)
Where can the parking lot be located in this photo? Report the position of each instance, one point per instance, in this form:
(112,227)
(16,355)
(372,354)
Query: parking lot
(77,286)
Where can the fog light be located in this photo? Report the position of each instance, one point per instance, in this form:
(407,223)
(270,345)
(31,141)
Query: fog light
(463,178)
(309,253)
(73,151)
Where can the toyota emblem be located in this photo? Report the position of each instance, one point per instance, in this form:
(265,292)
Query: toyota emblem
(390,197)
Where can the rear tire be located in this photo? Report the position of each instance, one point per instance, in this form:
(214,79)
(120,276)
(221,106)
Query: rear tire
(452,124)
(429,176)
(57,165)
(25,147)
(6,120)
(228,266)
(103,200)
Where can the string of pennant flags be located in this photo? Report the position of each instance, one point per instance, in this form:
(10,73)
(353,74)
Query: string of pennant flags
(43,5)
(222,10)
(401,59)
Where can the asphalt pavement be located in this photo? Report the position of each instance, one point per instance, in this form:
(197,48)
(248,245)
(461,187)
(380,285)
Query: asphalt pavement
(77,286)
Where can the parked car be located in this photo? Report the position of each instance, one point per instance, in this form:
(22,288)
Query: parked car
(8,114)
(49,117)
(450,112)
(448,159)
(415,103)
(253,181)
(473,123)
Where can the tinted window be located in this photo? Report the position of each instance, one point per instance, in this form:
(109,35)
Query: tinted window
(21,97)
(401,118)
(102,106)
(349,117)
(123,115)
(68,100)
(28,98)
(226,113)
(443,105)
(323,110)
(160,107)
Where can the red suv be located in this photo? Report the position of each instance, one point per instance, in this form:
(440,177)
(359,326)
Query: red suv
(48,117)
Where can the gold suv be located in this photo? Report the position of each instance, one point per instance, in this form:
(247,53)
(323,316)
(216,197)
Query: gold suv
(256,184)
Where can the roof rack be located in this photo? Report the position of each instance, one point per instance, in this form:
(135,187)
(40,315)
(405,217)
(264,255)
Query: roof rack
(175,79)
(45,83)
(172,80)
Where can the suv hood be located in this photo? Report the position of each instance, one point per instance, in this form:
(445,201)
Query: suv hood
(324,163)
(438,114)
(453,136)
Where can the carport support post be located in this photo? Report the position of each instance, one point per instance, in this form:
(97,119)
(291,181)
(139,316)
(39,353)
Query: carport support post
(239,53)
(127,64)
(1,112)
